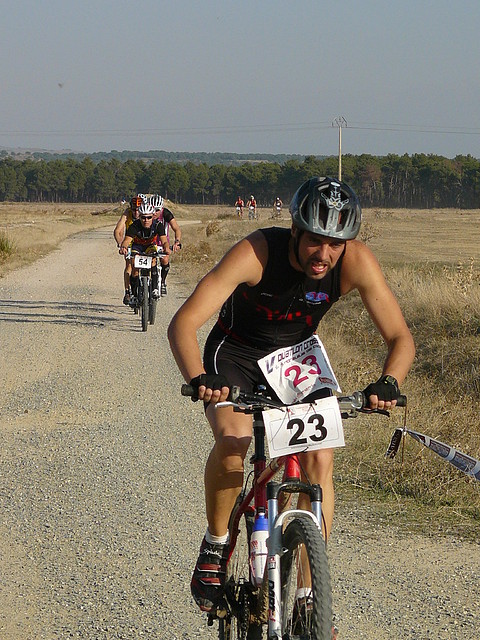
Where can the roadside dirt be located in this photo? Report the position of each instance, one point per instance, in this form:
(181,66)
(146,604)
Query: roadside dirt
(102,465)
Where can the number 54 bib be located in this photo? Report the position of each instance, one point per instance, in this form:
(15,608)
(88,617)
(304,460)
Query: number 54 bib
(294,372)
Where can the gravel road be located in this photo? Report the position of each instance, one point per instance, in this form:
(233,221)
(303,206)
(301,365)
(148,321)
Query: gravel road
(102,465)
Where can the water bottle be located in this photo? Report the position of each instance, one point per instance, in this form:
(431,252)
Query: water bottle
(258,547)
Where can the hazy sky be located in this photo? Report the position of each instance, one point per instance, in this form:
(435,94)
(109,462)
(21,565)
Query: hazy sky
(243,76)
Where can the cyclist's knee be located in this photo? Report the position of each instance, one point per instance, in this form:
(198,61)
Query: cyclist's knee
(319,465)
(232,450)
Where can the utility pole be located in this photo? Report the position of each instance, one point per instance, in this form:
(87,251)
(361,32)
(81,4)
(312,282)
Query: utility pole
(339,122)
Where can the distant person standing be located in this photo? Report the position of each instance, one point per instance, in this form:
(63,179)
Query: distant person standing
(277,208)
(252,208)
(239,204)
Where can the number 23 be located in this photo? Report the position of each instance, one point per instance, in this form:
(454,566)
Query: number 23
(296,370)
(299,426)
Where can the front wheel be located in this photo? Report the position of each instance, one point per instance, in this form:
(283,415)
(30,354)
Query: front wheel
(144,301)
(306,608)
(152,307)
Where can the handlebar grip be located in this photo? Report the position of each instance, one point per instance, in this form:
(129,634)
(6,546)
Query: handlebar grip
(187,390)
(402,401)
(190,391)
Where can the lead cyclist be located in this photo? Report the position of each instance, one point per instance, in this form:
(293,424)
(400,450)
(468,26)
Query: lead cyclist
(271,290)
(145,235)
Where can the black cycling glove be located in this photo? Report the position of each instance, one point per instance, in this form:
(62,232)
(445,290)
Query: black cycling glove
(212,381)
(385,388)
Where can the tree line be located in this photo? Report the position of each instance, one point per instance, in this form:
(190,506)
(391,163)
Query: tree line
(411,181)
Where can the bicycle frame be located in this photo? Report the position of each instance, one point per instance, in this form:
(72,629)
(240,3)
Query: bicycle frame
(144,300)
(265,494)
(289,531)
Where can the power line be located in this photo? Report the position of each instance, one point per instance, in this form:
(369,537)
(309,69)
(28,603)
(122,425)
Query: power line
(234,129)
(180,130)
(435,128)
(416,129)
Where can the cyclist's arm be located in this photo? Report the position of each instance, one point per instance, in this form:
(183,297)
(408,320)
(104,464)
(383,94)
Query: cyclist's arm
(127,241)
(119,231)
(176,229)
(243,263)
(361,271)
(165,245)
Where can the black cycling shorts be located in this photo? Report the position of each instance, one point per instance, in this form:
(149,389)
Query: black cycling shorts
(238,363)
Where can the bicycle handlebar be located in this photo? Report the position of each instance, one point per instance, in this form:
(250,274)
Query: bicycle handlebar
(157,254)
(349,405)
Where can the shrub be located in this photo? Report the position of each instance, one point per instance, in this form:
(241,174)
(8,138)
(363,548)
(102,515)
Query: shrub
(7,247)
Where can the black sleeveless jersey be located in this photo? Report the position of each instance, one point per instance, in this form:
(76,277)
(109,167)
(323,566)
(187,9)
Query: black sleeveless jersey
(284,308)
(146,236)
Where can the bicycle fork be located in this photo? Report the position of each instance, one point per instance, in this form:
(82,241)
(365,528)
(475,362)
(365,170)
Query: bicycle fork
(275,548)
(269,496)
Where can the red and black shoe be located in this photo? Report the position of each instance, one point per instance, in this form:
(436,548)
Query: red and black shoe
(208,580)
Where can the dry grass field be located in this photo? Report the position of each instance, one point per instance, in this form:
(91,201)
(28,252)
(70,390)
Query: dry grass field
(432,262)
(28,231)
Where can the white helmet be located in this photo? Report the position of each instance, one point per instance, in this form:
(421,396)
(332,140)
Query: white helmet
(146,209)
(157,202)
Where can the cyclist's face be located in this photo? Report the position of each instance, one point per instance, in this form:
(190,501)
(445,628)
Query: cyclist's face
(318,254)
(146,221)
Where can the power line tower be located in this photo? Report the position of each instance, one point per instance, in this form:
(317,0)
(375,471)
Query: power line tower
(339,122)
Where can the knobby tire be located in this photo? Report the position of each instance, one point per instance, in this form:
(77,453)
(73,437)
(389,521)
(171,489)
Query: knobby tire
(144,301)
(303,537)
(152,309)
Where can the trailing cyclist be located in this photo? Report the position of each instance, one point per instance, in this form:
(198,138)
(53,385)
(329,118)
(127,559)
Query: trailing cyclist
(144,236)
(128,216)
(166,216)
(272,289)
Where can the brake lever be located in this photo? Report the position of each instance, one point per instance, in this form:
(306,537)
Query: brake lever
(383,412)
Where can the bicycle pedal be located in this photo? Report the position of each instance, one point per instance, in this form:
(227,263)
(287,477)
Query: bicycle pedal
(222,613)
(218,614)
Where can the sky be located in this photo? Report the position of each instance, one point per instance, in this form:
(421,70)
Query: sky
(241,76)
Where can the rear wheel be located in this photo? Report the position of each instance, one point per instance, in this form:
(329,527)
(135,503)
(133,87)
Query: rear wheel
(305,576)
(247,608)
(143,293)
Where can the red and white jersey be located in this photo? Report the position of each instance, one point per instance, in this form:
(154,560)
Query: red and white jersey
(165,216)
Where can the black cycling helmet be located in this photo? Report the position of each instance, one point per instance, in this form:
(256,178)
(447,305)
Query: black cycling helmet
(135,202)
(327,207)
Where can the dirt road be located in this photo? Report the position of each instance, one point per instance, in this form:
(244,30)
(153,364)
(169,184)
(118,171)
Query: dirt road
(101,491)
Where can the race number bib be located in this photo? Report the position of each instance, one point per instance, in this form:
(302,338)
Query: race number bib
(294,372)
(304,427)
(142,261)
